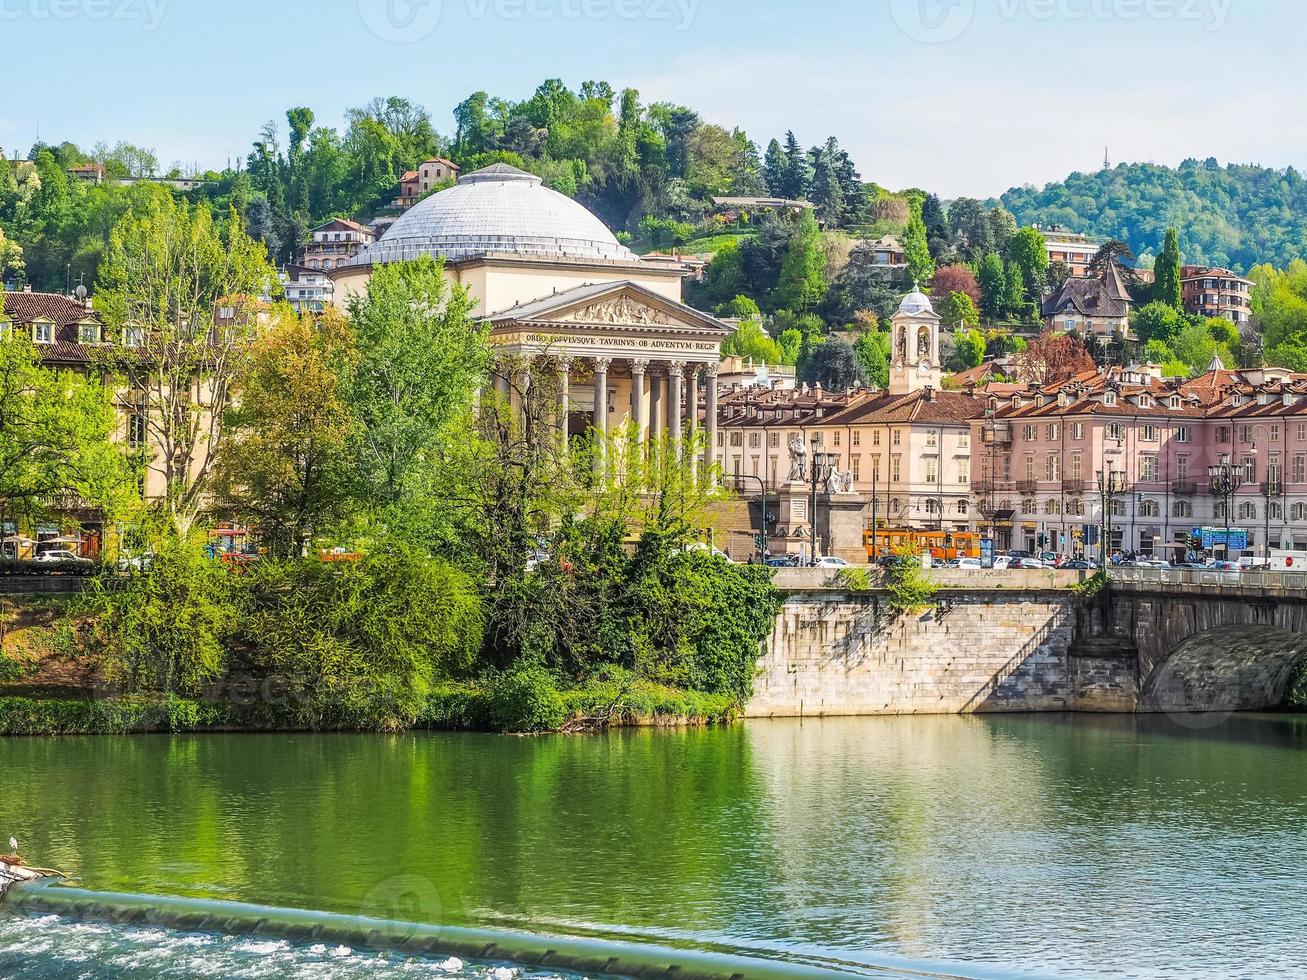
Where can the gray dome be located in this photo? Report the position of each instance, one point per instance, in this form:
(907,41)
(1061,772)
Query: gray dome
(499,210)
(916,303)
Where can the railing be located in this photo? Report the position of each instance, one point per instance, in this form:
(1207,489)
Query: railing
(1073,486)
(1027,487)
(1252,581)
(1184,488)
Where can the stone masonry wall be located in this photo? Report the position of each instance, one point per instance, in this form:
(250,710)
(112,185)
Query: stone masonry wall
(841,653)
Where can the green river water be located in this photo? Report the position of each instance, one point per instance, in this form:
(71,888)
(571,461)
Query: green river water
(1041,845)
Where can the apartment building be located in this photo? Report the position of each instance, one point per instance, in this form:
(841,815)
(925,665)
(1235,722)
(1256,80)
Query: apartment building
(1074,250)
(334,244)
(1214,292)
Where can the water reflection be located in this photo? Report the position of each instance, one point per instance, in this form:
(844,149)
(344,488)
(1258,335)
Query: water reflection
(1045,844)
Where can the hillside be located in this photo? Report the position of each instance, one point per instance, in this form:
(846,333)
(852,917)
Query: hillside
(1236,216)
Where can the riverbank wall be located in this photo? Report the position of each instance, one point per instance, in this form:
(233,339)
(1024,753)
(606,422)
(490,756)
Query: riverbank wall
(1000,642)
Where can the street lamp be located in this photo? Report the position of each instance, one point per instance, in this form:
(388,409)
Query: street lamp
(1226,479)
(1111,484)
(823,464)
(1272,487)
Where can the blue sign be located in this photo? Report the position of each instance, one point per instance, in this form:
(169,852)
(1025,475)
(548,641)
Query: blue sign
(1212,537)
(986,553)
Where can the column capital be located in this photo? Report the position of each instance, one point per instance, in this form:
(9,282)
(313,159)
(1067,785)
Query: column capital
(677,367)
(639,365)
(711,368)
(602,364)
(565,363)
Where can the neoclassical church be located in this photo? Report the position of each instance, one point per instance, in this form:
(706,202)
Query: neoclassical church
(553,280)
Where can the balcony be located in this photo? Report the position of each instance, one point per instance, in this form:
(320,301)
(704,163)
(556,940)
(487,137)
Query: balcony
(1184,488)
(1027,488)
(1073,486)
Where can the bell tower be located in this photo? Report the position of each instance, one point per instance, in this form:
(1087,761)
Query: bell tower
(914,346)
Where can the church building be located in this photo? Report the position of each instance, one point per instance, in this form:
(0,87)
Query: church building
(554,282)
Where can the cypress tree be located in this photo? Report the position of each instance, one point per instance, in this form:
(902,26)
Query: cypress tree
(1166,288)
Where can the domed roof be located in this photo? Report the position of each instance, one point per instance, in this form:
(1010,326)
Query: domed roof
(499,210)
(916,302)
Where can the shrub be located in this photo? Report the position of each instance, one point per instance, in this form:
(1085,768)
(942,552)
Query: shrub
(525,699)
(910,591)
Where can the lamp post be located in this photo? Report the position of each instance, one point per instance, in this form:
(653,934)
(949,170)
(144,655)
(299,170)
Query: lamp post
(1226,479)
(1111,484)
(1272,487)
(819,473)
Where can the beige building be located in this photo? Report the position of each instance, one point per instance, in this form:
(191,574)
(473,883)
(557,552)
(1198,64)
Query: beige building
(553,281)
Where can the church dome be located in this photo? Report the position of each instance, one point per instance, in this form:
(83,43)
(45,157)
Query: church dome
(502,211)
(916,303)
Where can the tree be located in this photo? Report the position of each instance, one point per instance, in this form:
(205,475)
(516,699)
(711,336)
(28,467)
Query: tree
(56,437)
(284,471)
(798,175)
(1029,253)
(802,281)
(955,279)
(921,267)
(1053,357)
(973,233)
(1156,321)
(751,341)
(832,364)
(1111,251)
(993,286)
(872,352)
(774,169)
(420,359)
(957,308)
(827,192)
(1167,286)
(968,350)
(187,292)
(937,232)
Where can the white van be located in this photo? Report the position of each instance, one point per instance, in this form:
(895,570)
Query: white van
(1288,561)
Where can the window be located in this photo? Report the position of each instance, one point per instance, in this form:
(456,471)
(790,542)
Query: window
(1276,511)
(1302,431)
(1114,431)
(932,471)
(1077,430)
(136,430)
(1053,432)
(1300,469)
(737,438)
(1149,508)
(1029,507)
(1030,433)
(1148,468)
(88,333)
(1150,433)
(1052,467)
(837,438)
(1245,433)
(1075,507)
(932,506)
(1222,433)
(773,440)
(1275,433)
(875,437)
(42,332)
(1184,433)
(962,508)
(964,441)
(857,438)
(1300,512)
(932,439)
(855,467)
(1182,508)
(1247,511)
(1118,508)
(895,469)
(1030,467)
(755,440)
(721,439)
(895,506)
(1249,469)
(964,473)
(1053,508)
(898,437)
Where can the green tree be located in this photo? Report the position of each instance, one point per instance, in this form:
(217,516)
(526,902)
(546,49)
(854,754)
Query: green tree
(993,286)
(957,308)
(921,267)
(872,352)
(420,359)
(1167,286)
(284,472)
(169,273)
(1157,321)
(968,350)
(798,174)
(750,340)
(774,169)
(1029,254)
(832,364)
(802,281)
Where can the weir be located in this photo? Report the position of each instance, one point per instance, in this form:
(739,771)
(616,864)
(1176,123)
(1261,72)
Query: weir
(582,955)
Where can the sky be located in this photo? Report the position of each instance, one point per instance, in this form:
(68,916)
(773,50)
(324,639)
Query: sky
(961,97)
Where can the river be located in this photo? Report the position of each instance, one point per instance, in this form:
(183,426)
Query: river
(974,846)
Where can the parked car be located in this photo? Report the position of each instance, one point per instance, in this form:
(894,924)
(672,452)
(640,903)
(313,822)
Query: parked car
(1026,563)
(783,561)
(830,561)
(1078,565)
(967,564)
(61,554)
(1002,563)
(896,561)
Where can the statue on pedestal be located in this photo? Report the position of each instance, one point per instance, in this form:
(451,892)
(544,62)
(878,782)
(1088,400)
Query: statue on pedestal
(798,461)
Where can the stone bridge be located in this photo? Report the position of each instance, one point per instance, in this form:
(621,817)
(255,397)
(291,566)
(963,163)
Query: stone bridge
(1208,641)
(1154,641)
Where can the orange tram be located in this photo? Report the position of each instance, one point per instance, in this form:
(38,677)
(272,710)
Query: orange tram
(942,545)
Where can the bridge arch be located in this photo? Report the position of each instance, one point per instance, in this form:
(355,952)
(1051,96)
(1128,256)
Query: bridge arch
(1241,667)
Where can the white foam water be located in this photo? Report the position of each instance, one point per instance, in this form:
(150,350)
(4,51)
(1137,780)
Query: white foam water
(51,947)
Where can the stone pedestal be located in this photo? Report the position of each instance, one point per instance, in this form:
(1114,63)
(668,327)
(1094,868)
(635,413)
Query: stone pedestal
(840,523)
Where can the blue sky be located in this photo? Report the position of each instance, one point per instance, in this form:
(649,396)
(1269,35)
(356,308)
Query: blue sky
(959,96)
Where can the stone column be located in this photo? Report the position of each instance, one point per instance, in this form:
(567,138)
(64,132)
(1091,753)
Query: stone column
(638,368)
(564,396)
(602,364)
(710,422)
(676,381)
(692,397)
(656,408)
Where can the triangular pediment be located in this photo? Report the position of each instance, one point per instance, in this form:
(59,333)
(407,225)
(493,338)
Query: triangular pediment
(615,306)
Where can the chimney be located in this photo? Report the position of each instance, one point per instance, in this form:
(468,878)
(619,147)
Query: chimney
(971,389)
